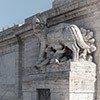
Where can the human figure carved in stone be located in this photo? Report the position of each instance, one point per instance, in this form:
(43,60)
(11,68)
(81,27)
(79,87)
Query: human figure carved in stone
(48,55)
(52,55)
(58,54)
(39,30)
(38,25)
(62,54)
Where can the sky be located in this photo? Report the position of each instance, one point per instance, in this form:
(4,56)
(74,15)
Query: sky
(16,11)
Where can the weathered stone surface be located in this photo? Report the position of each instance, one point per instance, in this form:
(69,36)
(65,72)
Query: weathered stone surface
(82,82)
(7,72)
(21,46)
(79,83)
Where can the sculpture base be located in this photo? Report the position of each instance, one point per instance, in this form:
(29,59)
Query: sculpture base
(82,80)
(66,81)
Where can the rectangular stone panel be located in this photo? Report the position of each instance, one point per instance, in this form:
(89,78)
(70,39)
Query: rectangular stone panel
(7,68)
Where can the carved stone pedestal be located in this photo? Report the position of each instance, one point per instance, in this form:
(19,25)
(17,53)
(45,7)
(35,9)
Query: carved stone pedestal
(82,80)
(54,77)
(66,81)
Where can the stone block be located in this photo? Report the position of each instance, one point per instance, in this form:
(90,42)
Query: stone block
(79,96)
(82,80)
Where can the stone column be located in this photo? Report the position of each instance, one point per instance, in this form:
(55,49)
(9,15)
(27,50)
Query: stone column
(20,69)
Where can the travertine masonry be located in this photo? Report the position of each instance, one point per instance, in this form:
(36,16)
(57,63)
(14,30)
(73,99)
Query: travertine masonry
(82,80)
(21,72)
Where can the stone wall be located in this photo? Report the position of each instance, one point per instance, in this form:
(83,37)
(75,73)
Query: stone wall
(19,48)
(8,69)
(87,15)
(53,77)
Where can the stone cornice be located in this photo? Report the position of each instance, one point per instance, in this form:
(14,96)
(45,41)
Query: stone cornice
(72,14)
(11,35)
(23,29)
(68,3)
(68,9)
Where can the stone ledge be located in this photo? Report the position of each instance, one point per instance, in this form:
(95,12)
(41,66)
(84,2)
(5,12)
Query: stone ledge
(69,15)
